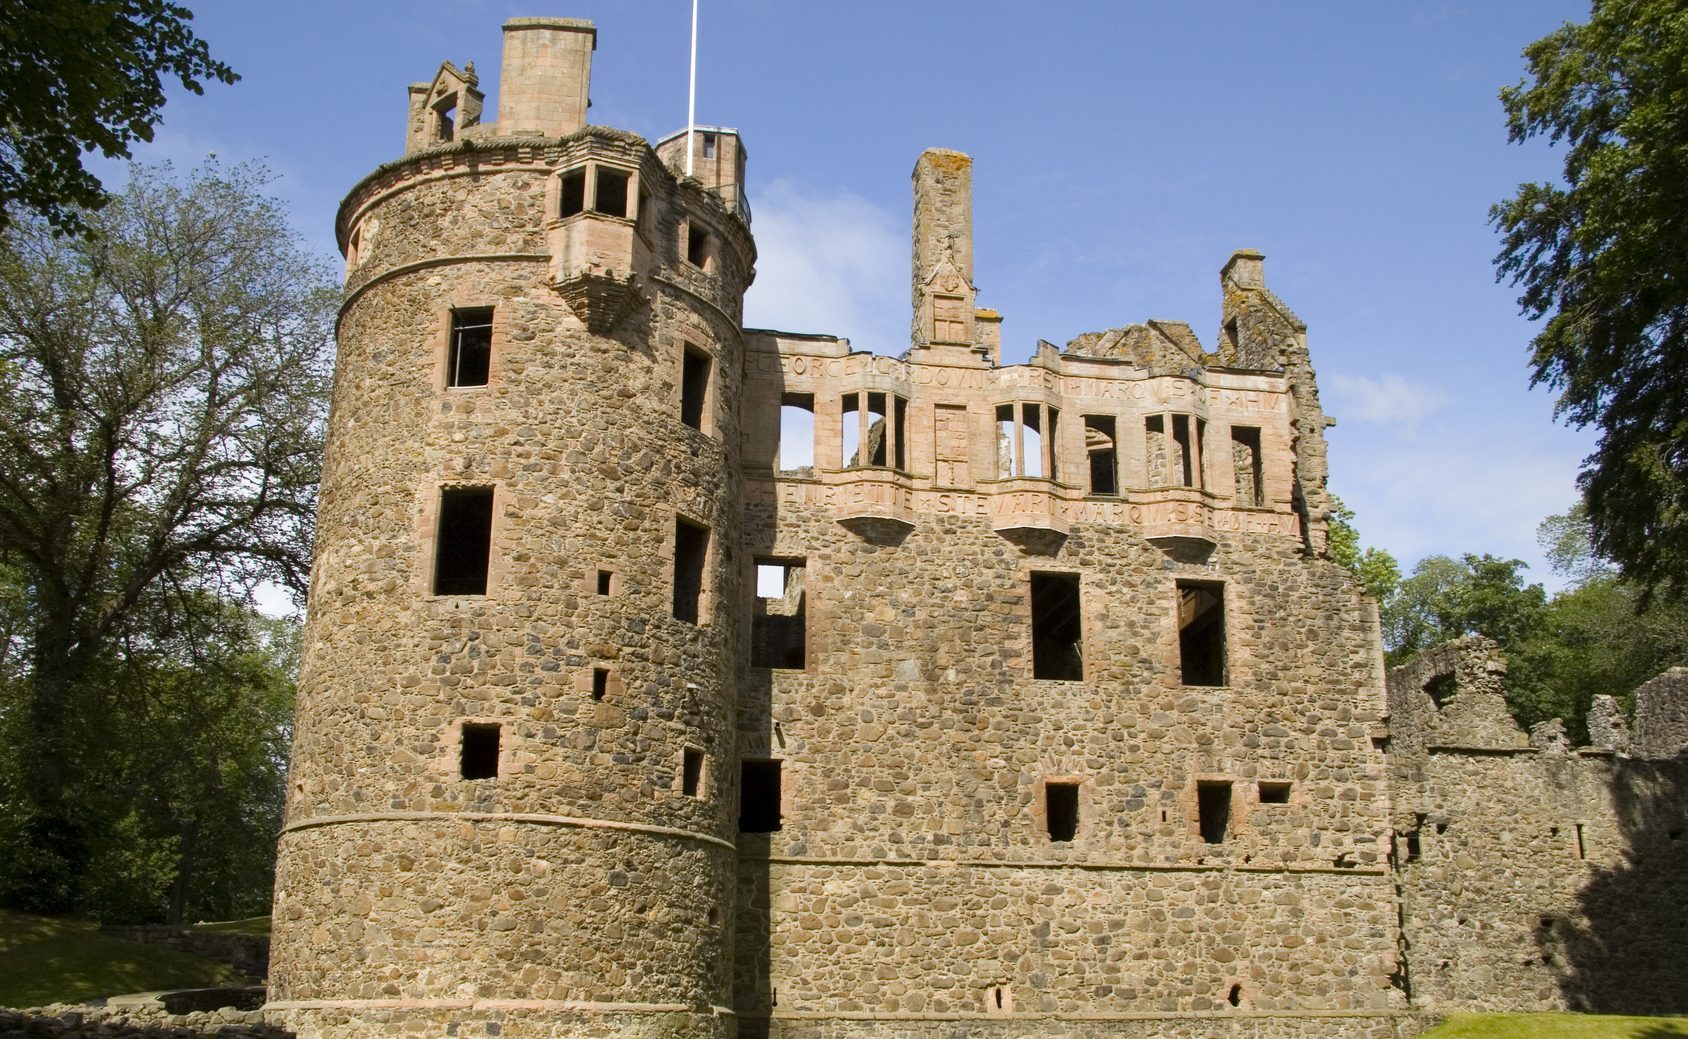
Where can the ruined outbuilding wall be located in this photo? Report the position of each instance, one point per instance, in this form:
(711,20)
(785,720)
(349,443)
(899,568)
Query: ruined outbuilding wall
(1533,875)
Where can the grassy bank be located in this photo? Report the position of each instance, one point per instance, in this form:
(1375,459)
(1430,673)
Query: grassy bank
(1558,1026)
(47,959)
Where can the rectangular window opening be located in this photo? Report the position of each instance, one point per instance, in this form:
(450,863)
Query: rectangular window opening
(899,454)
(1060,803)
(1057,627)
(1213,807)
(1005,441)
(779,618)
(1031,440)
(694,386)
(759,796)
(1245,461)
(1183,452)
(573,194)
(1054,442)
(600,682)
(1582,848)
(691,772)
(691,548)
(697,246)
(445,122)
(469,361)
(877,448)
(850,430)
(1274,793)
(606,580)
(1155,444)
(463,542)
(709,146)
(1201,633)
(1099,445)
(796,454)
(478,755)
(611,197)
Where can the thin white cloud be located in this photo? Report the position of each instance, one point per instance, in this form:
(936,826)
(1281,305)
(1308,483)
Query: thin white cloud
(829,262)
(1389,399)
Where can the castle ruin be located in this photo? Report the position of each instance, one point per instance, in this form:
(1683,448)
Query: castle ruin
(664,677)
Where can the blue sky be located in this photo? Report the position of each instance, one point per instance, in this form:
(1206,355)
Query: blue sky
(1122,151)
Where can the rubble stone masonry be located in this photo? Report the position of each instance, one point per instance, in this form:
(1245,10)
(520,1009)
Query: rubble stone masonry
(664,677)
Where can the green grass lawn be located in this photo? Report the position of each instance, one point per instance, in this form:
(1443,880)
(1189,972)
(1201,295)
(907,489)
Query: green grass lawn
(1558,1026)
(46,959)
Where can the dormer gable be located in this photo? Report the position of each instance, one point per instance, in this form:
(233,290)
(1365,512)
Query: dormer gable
(444,108)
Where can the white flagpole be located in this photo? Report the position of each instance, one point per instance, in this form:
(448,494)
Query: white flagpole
(691,100)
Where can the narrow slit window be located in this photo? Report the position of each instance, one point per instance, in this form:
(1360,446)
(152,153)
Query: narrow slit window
(850,430)
(606,581)
(877,449)
(691,772)
(796,454)
(600,682)
(469,361)
(691,548)
(1581,845)
(1231,338)
(697,246)
(1201,633)
(1213,807)
(1099,446)
(759,796)
(1057,626)
(610,198)
(778,623)
(573,193)
(478,753)
(694,386)
(1052,441)
(1245,461)
(709,146)
(645,215)
(463,543)
(1274,793)
(1060,806)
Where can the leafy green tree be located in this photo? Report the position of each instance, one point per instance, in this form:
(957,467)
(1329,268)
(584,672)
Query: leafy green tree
(163,384)
(1601,256)
(82,76)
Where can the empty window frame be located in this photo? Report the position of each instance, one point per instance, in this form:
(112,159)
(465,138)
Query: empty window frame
(871,429)
(1102,450)
(1274,792)
(709,146)
(1201,633)
(606,582)
(572,192)
(1245,462)
(1025,439)
(1060,809)
(600,682)
(445,119)
(694,386)
(691,551)
(1213,810)
(759,796)
(691,772)
(796,452)
(1057,627)
(610,195)
(477,756)
(698,246)
(1174,450)
(463,541)
(469,348)
(779,617)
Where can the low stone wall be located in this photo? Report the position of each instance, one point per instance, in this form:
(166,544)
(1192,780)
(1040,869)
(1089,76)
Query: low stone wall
(63,1021)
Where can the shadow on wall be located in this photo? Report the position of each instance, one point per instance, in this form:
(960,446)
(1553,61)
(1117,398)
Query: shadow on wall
(1629,951)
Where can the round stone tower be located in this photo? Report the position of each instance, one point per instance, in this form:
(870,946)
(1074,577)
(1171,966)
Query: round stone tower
(511,807)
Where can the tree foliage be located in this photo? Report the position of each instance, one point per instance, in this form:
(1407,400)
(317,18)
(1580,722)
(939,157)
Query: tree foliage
(1603,256)
(85,75)
(1375,568)
(162,393)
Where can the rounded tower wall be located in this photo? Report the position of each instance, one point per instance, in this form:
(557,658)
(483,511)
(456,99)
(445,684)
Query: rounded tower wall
(594,866)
